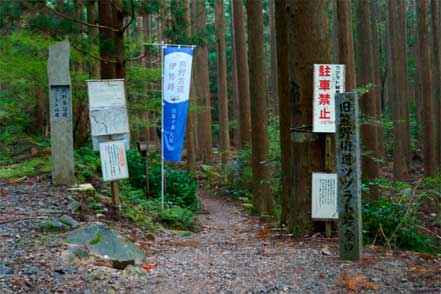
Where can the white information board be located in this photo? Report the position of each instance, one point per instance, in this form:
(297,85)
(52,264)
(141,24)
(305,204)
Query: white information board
(329,79)
(107,107)
(113,160)
(324,196)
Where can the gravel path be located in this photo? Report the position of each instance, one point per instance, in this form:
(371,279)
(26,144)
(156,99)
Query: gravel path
(230,254)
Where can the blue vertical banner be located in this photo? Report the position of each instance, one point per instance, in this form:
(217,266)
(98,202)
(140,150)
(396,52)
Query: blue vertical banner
(176,90)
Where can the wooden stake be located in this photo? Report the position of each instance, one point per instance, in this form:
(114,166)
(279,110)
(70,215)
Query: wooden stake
(116,201)
(328,168)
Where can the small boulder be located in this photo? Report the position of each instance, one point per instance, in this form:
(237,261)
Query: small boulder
(67,220)
(52,225)
(5,270)
(106,243)
(74,206)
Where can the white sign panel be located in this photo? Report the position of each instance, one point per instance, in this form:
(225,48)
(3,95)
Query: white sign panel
(106,93)
(324,196)
(113,161)
(329,79)
(107,107)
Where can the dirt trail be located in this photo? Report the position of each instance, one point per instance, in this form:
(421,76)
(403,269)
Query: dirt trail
(225,256)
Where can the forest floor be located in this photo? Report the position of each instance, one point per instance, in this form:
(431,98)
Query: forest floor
(232,252)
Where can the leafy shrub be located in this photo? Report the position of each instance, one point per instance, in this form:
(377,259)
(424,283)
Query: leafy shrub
(180,185)
(177,218)
(87,163)
(393,220)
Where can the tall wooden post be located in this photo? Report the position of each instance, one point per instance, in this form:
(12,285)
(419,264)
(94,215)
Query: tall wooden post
(349,176)
(61,114)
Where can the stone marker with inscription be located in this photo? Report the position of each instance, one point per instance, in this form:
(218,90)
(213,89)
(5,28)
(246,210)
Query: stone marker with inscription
(349,176)
(61,114)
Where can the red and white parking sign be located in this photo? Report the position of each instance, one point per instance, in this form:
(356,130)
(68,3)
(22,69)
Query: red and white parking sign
(329,79)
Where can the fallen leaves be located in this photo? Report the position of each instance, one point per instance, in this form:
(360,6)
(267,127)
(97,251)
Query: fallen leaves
(187,244)
(355,282)
(263,233)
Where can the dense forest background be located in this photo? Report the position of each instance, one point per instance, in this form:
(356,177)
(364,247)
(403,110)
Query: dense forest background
(251,87)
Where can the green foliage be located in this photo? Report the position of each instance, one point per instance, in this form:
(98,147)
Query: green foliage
(394,219)
(177,218)
(147,211)
(87,163)
(27,168)
(181,185)
(239,171)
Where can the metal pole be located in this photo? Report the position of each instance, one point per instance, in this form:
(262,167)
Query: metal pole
(162,126)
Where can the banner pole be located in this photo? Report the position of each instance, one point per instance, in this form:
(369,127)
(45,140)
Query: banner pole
(162,127)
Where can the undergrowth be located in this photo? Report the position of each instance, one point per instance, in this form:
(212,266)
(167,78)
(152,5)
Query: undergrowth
(395,219)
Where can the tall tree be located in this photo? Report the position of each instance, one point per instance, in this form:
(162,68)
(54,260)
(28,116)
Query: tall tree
(284,107)
(346,42)
(377,72)
(106,46)
(368,102)
(263,196)
(118,24)
(92,32)
(242,73)
(398,88)
(274,73)
(435,12)
(426,78)
(309,43)
(224,134)
(201,75)
(235,112)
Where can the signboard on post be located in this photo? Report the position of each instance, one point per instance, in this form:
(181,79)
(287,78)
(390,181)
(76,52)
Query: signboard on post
(108,111)
(113,160)
(329,80)
(60,102)
(349,176)
(324,196)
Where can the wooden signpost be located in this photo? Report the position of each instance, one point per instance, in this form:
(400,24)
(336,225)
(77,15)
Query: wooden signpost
(349,176)
(61,114)
(329,79)
(110,129)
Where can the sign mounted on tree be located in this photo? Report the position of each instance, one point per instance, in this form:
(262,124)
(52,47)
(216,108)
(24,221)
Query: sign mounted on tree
(176,90)
(108,111)
(324,196)
(113,160)
(329,80)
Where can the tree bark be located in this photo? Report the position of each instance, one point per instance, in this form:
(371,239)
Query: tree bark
(368,105)
(435,5)
(224,134)
(377,72)
(118,23)
(274,72)
(309,43)
(263,196)
(346,42)
(405,110)
(426,78)
(92,35)
(284,108)
(202,90)
(398,89)
(242,72)
(106,46)
(235,112)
